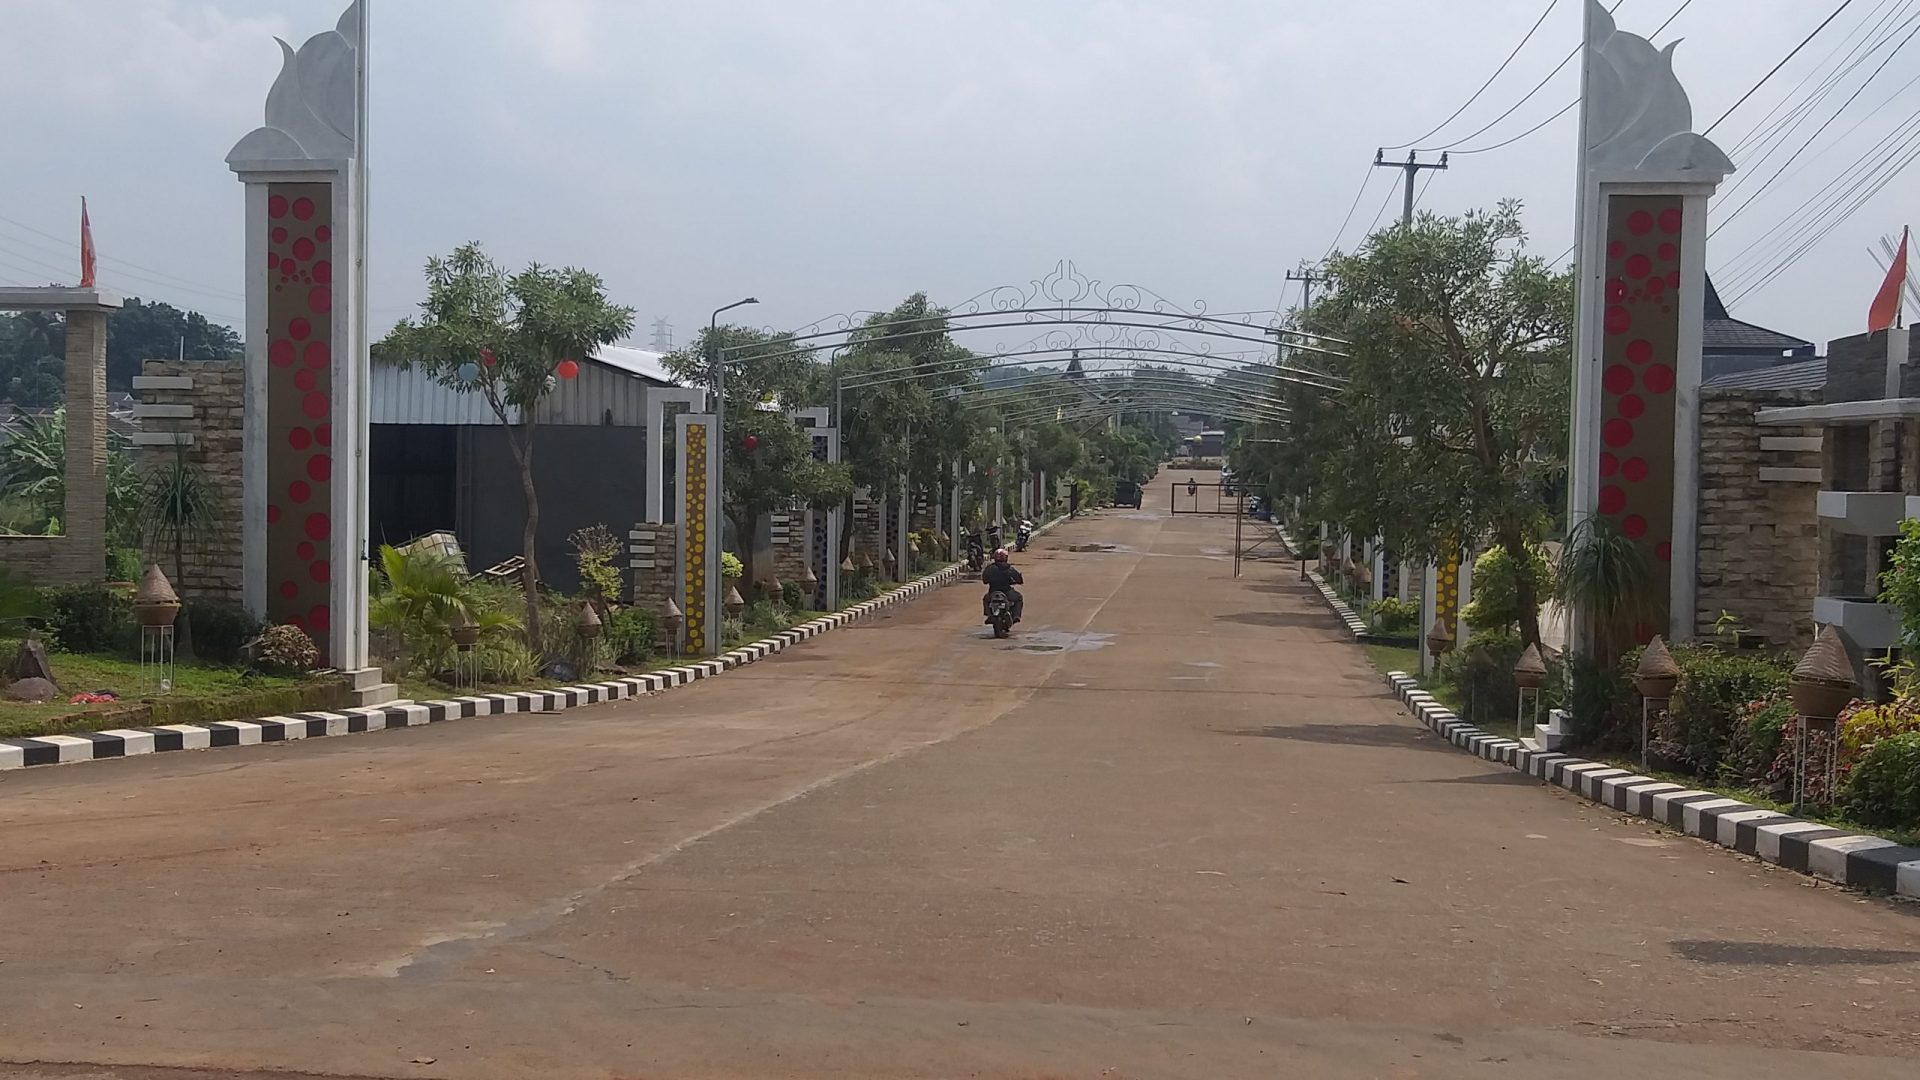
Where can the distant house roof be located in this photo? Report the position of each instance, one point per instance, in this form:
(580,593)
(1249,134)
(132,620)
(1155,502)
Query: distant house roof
(1722,334)
(1799,375)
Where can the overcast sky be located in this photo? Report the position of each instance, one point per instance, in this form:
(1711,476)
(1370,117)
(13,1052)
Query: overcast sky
(829,155)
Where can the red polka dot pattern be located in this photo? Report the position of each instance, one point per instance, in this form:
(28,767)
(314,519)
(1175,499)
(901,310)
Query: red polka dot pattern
(299,393)
(1637,380)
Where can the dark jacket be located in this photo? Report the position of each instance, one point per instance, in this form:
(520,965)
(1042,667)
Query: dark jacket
(1001,576)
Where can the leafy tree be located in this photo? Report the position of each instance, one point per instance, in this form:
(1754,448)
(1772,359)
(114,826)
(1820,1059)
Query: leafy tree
(1453,422)
(506,337)
(33,347)
(150,330)
(769,458)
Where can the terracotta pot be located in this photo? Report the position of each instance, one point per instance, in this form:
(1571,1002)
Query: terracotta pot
(156,614)
(465,635)
(1819,701)
(1656,687)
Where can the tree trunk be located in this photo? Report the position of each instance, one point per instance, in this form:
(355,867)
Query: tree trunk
(522,448)
(1529,604)
(743,537)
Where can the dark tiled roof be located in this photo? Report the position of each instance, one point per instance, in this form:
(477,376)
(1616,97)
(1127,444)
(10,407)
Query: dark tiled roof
(1801,375)
(1723,333)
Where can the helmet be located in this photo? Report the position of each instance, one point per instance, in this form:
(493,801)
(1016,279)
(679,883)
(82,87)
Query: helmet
(999,554)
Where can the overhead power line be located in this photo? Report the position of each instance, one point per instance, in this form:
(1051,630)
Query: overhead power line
(1844,4)
(1497,72)
(1837,113)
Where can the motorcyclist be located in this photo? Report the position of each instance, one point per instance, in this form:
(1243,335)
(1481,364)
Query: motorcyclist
(1000,576)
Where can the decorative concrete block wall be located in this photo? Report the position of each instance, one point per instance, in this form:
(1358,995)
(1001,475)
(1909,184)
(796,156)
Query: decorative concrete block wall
(791,533)
(196,409)
(650,562)
(1759,522)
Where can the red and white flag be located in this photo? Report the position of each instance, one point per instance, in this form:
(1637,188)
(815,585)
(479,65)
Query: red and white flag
(86,247)
(1885,313)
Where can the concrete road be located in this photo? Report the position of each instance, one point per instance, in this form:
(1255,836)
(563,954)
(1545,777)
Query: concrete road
(1175,828)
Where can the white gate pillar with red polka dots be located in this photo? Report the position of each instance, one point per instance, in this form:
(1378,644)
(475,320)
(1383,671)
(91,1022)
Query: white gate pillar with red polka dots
(1641,279)
(304,538)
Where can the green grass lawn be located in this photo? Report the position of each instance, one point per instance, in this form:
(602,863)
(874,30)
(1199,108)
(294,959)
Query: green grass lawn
(199,694)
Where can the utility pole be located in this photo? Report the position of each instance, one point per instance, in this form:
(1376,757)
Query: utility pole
(1412,165)
(1307,276)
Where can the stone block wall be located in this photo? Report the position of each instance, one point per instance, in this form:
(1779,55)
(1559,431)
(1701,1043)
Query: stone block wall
(791,536)
(1759,527)
(651,554)
(79,554)
(196,409)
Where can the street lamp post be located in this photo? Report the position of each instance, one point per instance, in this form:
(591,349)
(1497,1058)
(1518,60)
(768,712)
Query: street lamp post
(716,499)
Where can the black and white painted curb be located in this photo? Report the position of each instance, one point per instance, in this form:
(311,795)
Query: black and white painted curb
(1356,625)
(1864,862)
(128,742)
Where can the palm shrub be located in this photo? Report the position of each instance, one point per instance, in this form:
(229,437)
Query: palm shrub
(1607,576)
(421,596)
(178,505)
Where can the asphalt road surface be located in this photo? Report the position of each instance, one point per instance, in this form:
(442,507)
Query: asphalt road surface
(1174,828)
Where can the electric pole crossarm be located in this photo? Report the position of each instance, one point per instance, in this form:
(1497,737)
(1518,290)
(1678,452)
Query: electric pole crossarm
(1411,167)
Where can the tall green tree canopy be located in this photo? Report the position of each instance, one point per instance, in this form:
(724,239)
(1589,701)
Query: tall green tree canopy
(505,337)
(33,347)
(1453,423)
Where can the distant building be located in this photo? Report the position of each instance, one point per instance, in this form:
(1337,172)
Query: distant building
(1209,444)
(439,461)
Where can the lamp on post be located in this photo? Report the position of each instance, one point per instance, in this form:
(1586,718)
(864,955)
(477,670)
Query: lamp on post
(718,497)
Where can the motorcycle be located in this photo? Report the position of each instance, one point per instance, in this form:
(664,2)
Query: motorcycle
(1022,535)
(976,553)
(1000,613)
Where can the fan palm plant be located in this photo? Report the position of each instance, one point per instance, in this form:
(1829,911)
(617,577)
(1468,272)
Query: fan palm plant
(1607,576)
(178,505)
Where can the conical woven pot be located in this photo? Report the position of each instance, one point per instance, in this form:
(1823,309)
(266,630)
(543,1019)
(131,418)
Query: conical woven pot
(1823,681)
(1530,673)
(154,602)
(1658,673)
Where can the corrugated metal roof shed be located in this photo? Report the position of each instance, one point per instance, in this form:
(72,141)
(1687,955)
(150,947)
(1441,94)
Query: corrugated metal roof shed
(610,389)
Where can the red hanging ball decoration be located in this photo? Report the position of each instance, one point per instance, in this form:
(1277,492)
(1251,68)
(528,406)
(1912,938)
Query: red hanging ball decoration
(487,357)
(567,369)
(751,442)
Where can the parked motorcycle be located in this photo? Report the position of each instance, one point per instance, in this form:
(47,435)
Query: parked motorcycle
(1000,613)
(976,553)
(1022,535)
